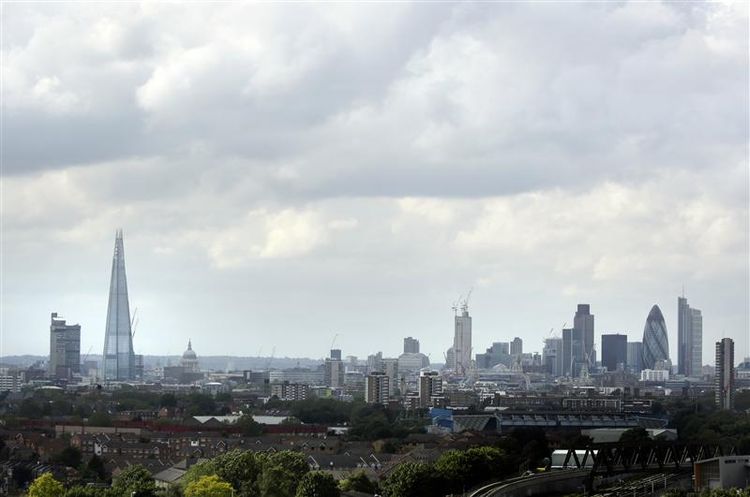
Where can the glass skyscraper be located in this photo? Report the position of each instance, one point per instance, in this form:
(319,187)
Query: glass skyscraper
(655,341)
(119,358)
(689,339)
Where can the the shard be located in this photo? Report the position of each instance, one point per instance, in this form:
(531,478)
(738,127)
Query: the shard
(119,358)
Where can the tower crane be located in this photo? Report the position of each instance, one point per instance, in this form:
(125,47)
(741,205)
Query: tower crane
(333,341)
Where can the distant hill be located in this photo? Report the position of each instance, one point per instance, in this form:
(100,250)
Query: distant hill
(217,363)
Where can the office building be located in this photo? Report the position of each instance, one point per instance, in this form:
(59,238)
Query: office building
(411,345)
(614,351)
(375,362)
(635,355)
(430,386)
(516,347)
(583,324)
(689,339)
(64,348)
(499,353)
(377,388)
(567,349)
(119,358)
(655,375)
(724,374)
(655,341)
(462,342)
(552,356)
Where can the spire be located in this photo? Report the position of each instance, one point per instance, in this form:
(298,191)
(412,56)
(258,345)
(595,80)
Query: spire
(119,359)
(190,345)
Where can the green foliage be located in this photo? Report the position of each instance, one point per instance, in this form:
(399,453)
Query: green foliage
(89,492)
(635,435)
(100,418)
(359,482)
(199,404)
(462,469)
(253,473)
(249,427)
(412,479)
(209,486)
(318,484)
(96,467)
(168,400)
(135,479)
(726,492)
(69,456)
(46,486)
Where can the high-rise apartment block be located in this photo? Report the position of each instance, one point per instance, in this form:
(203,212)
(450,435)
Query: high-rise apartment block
(724,374)
(430,387)
(377,388)
(462,342)
(119,358)
(516,347)
(411,345)
(64,348)
(689,339)
(390,368)
(290,391)
(614,351)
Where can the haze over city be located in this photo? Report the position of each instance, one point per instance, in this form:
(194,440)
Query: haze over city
(283,174)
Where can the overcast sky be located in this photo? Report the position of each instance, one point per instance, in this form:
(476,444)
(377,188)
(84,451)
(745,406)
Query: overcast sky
(283,173)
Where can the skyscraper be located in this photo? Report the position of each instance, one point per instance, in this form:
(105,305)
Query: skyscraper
(64,348)
(635,357)
(552,356)
(516,347)
(614,351)
(462,341)
(411,345)
(689,339)
(567,351)
(583,323)
(119,358)
(724,374)
(655,341)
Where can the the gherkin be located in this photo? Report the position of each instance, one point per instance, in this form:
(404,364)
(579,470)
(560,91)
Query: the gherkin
(119,358)
(655,341)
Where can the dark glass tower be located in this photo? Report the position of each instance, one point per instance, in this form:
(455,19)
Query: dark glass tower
(655,341)
(614,351)
(119,358)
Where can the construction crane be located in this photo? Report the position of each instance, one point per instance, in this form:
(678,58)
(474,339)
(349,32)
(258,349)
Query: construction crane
(333,341)
(270,359)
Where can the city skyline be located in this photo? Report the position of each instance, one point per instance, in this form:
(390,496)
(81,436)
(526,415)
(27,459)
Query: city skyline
(281,181)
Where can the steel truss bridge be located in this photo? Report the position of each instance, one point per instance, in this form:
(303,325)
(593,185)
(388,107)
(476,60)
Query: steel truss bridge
(607,459)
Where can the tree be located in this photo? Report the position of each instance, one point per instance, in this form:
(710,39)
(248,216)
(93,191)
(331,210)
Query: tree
(69,456)
(635,435)
(100,418)
(46,486)
(359,482)
(411,479)
(209,486)
(96,467)
(249,427)
(318,484)
(135,481)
